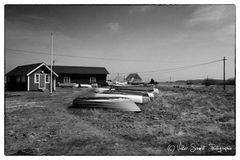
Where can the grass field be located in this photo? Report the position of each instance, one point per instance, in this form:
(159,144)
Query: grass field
(179,121)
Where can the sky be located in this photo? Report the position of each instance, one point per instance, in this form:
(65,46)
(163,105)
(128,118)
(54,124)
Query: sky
(156,41)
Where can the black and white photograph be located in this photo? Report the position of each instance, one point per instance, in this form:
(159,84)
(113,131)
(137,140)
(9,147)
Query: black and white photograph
(119,79)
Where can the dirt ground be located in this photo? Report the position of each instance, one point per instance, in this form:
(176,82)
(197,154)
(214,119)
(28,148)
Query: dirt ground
(181,120)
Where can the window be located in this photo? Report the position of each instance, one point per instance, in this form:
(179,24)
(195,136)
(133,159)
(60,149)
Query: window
(93,80)
(23,78)
(66,80)
(47,78)
(36,78)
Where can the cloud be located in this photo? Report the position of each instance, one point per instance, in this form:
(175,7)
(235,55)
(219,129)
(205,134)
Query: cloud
(229,30)
(215,20)
(36,18)
(114,27)
(226,33)
(141,9)
(211,14)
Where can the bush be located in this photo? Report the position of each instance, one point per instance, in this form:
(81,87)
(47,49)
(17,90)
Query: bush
(189,82)
(208,82)
(152,81)
(231,81)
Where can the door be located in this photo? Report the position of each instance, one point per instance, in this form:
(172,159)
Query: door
(42,83)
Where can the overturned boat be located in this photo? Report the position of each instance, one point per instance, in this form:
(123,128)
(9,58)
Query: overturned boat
(135,87)
(119,104)
(134,98)
(132,92)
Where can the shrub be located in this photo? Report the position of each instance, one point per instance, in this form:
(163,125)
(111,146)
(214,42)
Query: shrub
(152,81)
(231,81)
(208,82)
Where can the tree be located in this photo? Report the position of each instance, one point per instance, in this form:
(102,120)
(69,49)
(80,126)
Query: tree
(152,81)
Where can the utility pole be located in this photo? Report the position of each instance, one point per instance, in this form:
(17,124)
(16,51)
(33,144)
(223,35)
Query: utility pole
(224,85)
(51,62)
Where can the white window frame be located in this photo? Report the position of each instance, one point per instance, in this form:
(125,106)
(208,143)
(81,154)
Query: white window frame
(47,80)
(69,78)
(93,80)
(35,78)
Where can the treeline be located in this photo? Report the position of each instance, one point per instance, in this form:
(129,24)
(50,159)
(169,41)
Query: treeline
(208,82)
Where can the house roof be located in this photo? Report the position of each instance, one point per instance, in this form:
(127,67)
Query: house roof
(135,76)
(79,70)
(26,69)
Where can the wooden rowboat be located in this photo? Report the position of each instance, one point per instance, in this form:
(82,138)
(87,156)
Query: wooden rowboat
(119,104)
(134,98)
(132,92)
(134,87)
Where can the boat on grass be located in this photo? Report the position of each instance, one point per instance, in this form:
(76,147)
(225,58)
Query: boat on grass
(119,104)
(134,87)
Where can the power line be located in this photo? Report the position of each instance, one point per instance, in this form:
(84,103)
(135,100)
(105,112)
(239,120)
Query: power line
(162,71)
(74,56)
(170,70)
(231,60)
(13,51)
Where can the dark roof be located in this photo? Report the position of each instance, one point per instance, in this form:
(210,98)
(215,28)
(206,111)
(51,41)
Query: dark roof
(79,70)
(135,76)
(26,69)
(23,70)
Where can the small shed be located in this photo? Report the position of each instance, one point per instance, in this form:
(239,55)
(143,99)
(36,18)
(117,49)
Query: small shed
(30,77)
(134,77)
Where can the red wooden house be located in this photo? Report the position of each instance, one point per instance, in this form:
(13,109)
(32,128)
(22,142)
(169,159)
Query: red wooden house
(31,77)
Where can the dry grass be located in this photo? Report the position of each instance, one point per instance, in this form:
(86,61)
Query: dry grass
(177,116)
